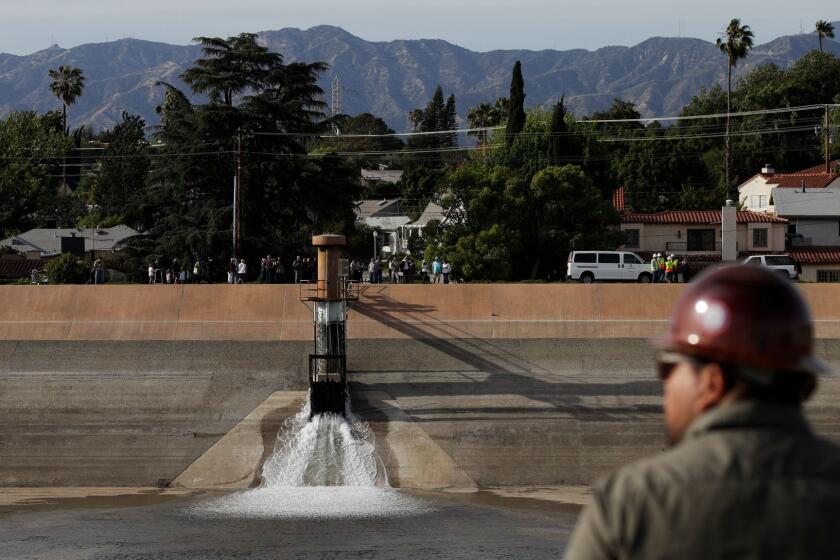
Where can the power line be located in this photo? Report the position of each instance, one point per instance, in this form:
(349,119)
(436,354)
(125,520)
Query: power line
(716,115)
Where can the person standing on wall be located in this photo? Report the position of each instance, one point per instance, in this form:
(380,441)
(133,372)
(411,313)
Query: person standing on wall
(746,476)
(241,272)
(436,270)
(446,270)
(232,268)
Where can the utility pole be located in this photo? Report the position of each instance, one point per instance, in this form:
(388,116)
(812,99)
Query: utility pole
(237,196)
(826,141)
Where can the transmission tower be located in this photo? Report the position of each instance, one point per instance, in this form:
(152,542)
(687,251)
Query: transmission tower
(336,96)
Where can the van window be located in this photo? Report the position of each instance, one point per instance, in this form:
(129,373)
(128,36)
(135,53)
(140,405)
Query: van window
(779,261)
(753,260)
(584,257)
(632,259)
(608,258)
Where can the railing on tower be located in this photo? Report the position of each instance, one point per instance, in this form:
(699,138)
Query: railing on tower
(316,290)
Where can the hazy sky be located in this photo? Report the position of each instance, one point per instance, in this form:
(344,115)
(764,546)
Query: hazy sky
(29,25)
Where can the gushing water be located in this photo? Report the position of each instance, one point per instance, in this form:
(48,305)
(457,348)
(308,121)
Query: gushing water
(328,450)
(326,467)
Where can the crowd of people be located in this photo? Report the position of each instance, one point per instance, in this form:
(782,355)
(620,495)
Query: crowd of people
(403,271)
(668,268)
(177,272)
(302,269)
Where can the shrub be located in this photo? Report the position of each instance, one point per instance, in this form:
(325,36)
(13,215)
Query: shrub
(67,269)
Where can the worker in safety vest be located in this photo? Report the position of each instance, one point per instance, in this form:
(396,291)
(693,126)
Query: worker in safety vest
(676,266)
(654,267)
(669,268)
(661,268)
(746,477)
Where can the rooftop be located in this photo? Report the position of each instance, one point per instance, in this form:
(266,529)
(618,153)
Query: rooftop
(816,255)
(378,208)
(48,241)
(697,217)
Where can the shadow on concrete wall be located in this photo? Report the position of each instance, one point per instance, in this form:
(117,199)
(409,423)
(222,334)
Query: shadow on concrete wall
(508,373)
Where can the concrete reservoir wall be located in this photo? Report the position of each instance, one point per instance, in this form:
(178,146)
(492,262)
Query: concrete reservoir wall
(464,385)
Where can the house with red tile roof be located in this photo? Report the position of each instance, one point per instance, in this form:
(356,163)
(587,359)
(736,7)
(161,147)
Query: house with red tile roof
(817,264)
(698,233)
(758,192)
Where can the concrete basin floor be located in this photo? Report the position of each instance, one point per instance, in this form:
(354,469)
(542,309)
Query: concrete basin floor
(153,524)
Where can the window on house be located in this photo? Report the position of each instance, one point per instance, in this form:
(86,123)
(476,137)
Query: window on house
(828,276)
(631,238)
(758,201)
(700,239)
(760,237)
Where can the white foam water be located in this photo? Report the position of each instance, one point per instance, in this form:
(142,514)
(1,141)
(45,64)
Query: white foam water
(329,450)
(326,467)
(313,503)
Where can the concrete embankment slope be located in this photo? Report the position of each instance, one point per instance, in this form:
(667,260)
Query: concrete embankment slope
(463,384)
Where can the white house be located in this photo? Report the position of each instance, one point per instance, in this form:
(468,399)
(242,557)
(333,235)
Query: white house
(698,232)
(396,227)
(758,192)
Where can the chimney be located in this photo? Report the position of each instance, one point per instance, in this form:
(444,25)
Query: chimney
(729,232)
(768,169)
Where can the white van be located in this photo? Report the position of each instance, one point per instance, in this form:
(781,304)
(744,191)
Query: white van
(589,266)
(782,264)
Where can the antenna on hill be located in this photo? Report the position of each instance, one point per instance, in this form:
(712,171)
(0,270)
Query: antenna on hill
(335,91)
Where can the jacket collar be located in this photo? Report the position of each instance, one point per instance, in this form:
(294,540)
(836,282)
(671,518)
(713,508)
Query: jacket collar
(749,414)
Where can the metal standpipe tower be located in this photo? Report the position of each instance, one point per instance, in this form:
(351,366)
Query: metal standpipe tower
(330,294)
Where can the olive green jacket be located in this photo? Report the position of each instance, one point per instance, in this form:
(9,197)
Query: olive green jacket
(748,480)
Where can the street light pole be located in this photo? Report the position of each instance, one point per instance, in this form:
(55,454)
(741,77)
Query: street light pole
(374,244)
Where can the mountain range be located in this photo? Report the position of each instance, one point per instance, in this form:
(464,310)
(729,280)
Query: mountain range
(389,79)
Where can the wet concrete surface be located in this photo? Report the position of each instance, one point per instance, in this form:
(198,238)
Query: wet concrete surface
(163,525)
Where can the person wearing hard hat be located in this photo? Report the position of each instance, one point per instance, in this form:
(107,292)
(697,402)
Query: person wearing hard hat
(654,267)
(746,477)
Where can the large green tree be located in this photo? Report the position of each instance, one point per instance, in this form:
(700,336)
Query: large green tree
(123,170)
(32,147)
(287,194)
(506,226)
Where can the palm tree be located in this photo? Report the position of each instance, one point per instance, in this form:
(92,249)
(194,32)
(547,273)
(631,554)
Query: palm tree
(483,116)
(502,106)
(67,84)
(415,117)
(824,29)
(735,42)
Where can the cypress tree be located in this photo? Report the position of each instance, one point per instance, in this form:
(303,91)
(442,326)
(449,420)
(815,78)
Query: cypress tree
(558,138)
(433,120)
(433,115)
(516,115)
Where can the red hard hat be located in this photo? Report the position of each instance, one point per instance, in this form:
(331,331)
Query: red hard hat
(744,315)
